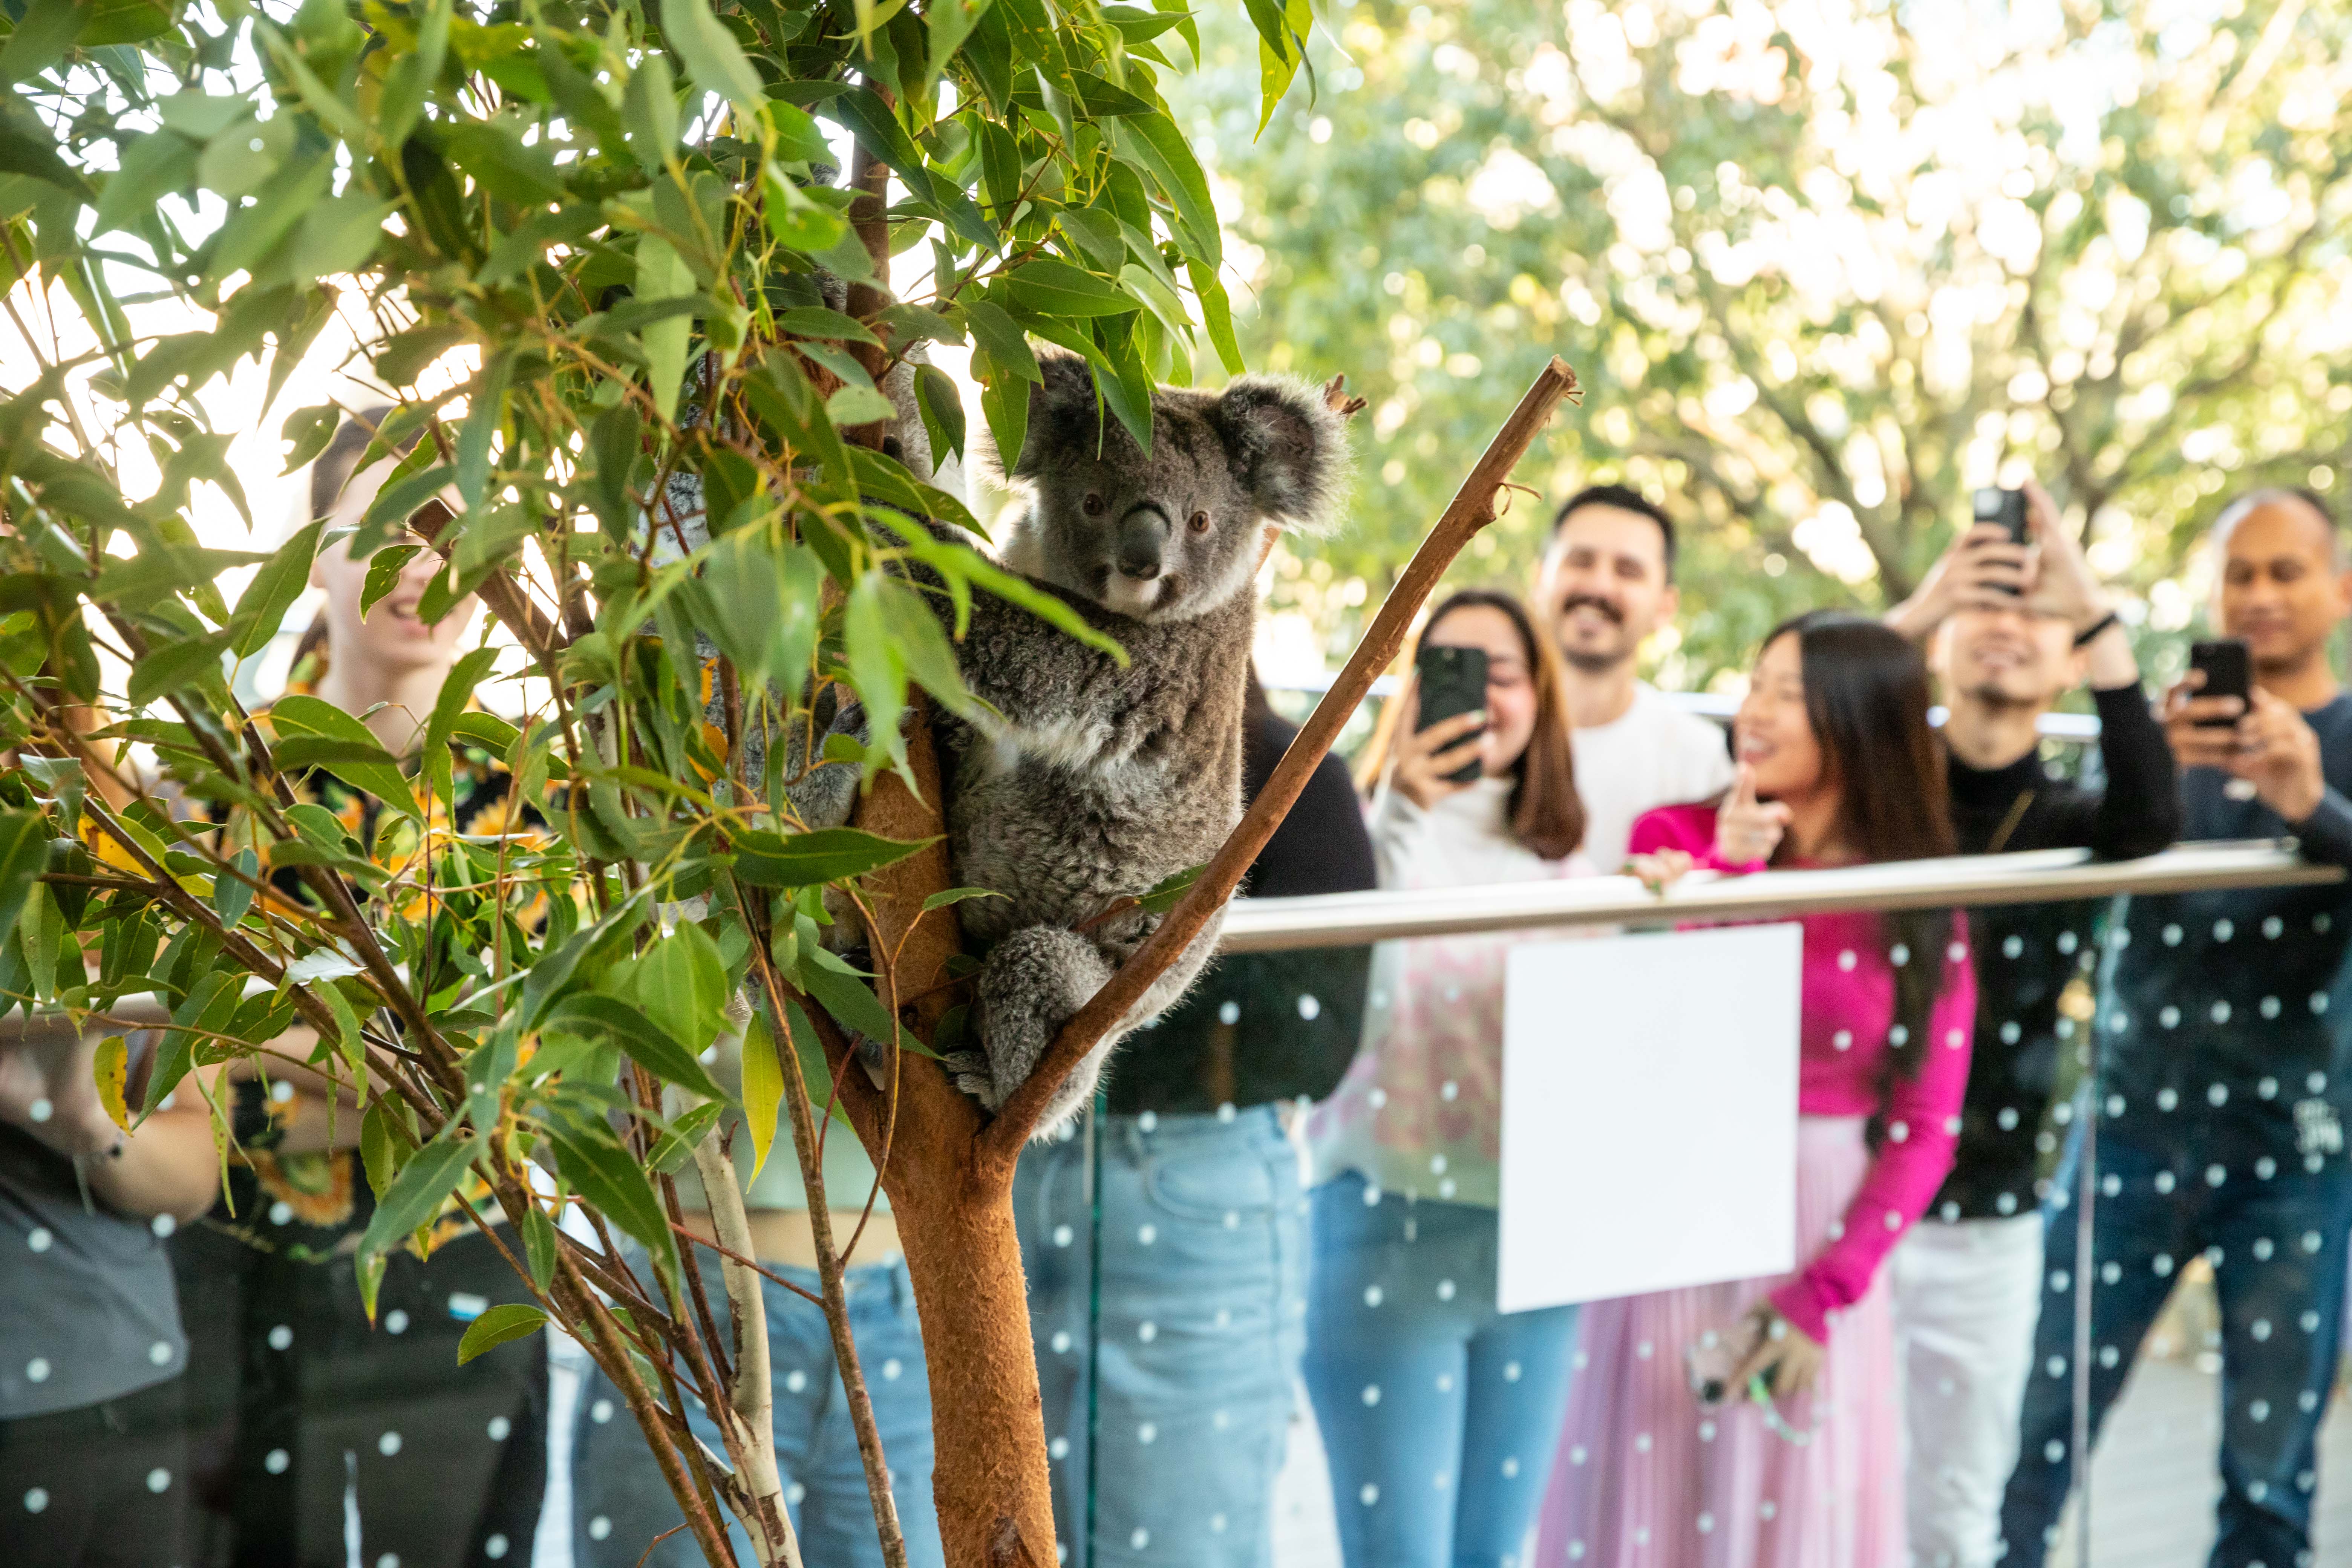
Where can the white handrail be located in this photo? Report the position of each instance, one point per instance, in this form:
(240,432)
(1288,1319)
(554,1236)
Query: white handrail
(2072,727)
(2042,876)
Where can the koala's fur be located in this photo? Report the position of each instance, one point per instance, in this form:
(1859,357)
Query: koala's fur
(1098,780)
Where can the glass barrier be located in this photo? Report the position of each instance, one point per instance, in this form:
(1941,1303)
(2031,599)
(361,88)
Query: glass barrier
(1264,1290)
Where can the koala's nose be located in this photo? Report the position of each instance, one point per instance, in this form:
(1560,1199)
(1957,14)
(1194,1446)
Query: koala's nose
(1142,539)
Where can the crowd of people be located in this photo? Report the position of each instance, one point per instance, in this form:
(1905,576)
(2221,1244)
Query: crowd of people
(1293,1177)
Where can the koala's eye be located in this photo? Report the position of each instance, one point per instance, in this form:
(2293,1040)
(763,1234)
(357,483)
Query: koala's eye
(1200,523)
(1094,504)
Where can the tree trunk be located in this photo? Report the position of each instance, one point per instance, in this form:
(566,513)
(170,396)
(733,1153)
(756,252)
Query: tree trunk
(953,1201)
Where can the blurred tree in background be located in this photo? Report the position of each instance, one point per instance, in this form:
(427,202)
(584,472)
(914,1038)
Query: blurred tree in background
(1830,264)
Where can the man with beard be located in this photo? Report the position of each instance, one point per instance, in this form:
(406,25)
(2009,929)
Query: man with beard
(2014,627)
(1606,583)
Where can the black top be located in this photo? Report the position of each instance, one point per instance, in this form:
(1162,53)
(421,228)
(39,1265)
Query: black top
(1261,1027)
(86,1308)
(2226,1010)
(2027,955)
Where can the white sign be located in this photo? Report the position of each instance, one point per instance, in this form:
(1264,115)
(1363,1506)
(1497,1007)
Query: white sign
(1649,1113)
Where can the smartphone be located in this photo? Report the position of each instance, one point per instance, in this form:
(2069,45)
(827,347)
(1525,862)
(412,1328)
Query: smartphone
(2005,508)
(1452,680)
(2229,672)
(1711,1361)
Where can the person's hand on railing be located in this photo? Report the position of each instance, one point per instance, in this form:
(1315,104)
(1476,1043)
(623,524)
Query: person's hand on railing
(1747,830)
(2266,742)
(1660,870)
(1425,757)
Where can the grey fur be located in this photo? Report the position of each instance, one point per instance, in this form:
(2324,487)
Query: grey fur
(1098,782)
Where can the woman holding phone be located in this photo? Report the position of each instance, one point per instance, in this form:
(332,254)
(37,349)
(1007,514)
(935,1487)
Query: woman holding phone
(1756,1423)
(1439,1413)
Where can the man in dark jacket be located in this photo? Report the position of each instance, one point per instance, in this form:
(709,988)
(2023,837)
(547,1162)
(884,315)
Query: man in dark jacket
(2015,627)
(2224,1073)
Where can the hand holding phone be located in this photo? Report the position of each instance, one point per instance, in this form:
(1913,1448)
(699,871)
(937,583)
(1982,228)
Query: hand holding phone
(2227,669)
(1453,682)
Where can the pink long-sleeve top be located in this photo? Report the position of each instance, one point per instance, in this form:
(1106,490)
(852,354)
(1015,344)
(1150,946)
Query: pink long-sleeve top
(1846,1011)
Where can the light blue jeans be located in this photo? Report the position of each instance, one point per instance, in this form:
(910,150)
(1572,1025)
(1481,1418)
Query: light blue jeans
(1172,1340)
(1439,1413)
(620,1501)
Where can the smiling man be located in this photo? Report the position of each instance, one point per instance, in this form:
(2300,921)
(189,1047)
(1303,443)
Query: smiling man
(2012,628)
(1606,584)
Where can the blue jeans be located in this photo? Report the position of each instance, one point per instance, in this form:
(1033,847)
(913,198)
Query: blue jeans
(620,1501)
(1439,1413)
(1195,1291)
(2278,1250)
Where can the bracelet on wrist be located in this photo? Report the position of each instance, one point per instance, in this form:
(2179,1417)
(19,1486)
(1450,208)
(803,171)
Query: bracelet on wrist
(2091,633)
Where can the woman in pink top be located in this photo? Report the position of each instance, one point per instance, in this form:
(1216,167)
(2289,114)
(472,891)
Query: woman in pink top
(1837,767)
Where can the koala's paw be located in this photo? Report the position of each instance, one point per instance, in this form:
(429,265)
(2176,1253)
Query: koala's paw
(1033,981)
(968,1071)
(826,794)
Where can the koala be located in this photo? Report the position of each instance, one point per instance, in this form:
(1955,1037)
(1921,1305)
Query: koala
(1092,782)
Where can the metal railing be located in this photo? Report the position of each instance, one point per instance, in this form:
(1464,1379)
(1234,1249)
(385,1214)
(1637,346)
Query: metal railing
(2040,876)
(2077,728)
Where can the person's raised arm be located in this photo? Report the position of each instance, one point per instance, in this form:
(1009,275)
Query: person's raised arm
(2140,811)
(1984,566)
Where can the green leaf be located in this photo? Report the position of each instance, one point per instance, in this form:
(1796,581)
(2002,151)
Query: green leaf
(232,895)
(845,994)
(646,1042)
(1217,314)
(674,1148)
(423,1185)
(174,666)
(502,163)
(816,321)
(682,982)
(649,104)
(414,73)
(947,895)
(943,410)
(385,568)
(763,1090)
(1056,288)
(506,1320)
(44,30)
(306,432)
(24,852)
(852,406)
(600,1171)
(379,1146)
(711,54)
(338,235)
(1153,141)
(262,607)
(806,859)
(538,1246)
(362,761)
(1170,889)
(663,274)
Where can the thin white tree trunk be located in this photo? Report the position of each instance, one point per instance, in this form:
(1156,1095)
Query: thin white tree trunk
(752,1397)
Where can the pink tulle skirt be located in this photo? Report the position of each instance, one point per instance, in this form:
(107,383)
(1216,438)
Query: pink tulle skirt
(1646,1477)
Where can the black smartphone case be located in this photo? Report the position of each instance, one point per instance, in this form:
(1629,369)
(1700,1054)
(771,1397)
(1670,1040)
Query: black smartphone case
(1453,682)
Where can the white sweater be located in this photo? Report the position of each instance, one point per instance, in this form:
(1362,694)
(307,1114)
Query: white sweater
(1420,1108)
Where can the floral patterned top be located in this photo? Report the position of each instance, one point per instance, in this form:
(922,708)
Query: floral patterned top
(1420,1110)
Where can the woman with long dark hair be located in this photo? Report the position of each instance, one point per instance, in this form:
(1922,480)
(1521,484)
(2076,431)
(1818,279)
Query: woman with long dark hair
(1437,1410)
(1756,1423)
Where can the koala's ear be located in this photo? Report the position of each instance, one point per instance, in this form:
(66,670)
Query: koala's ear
(1062,418)
(1287,447)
